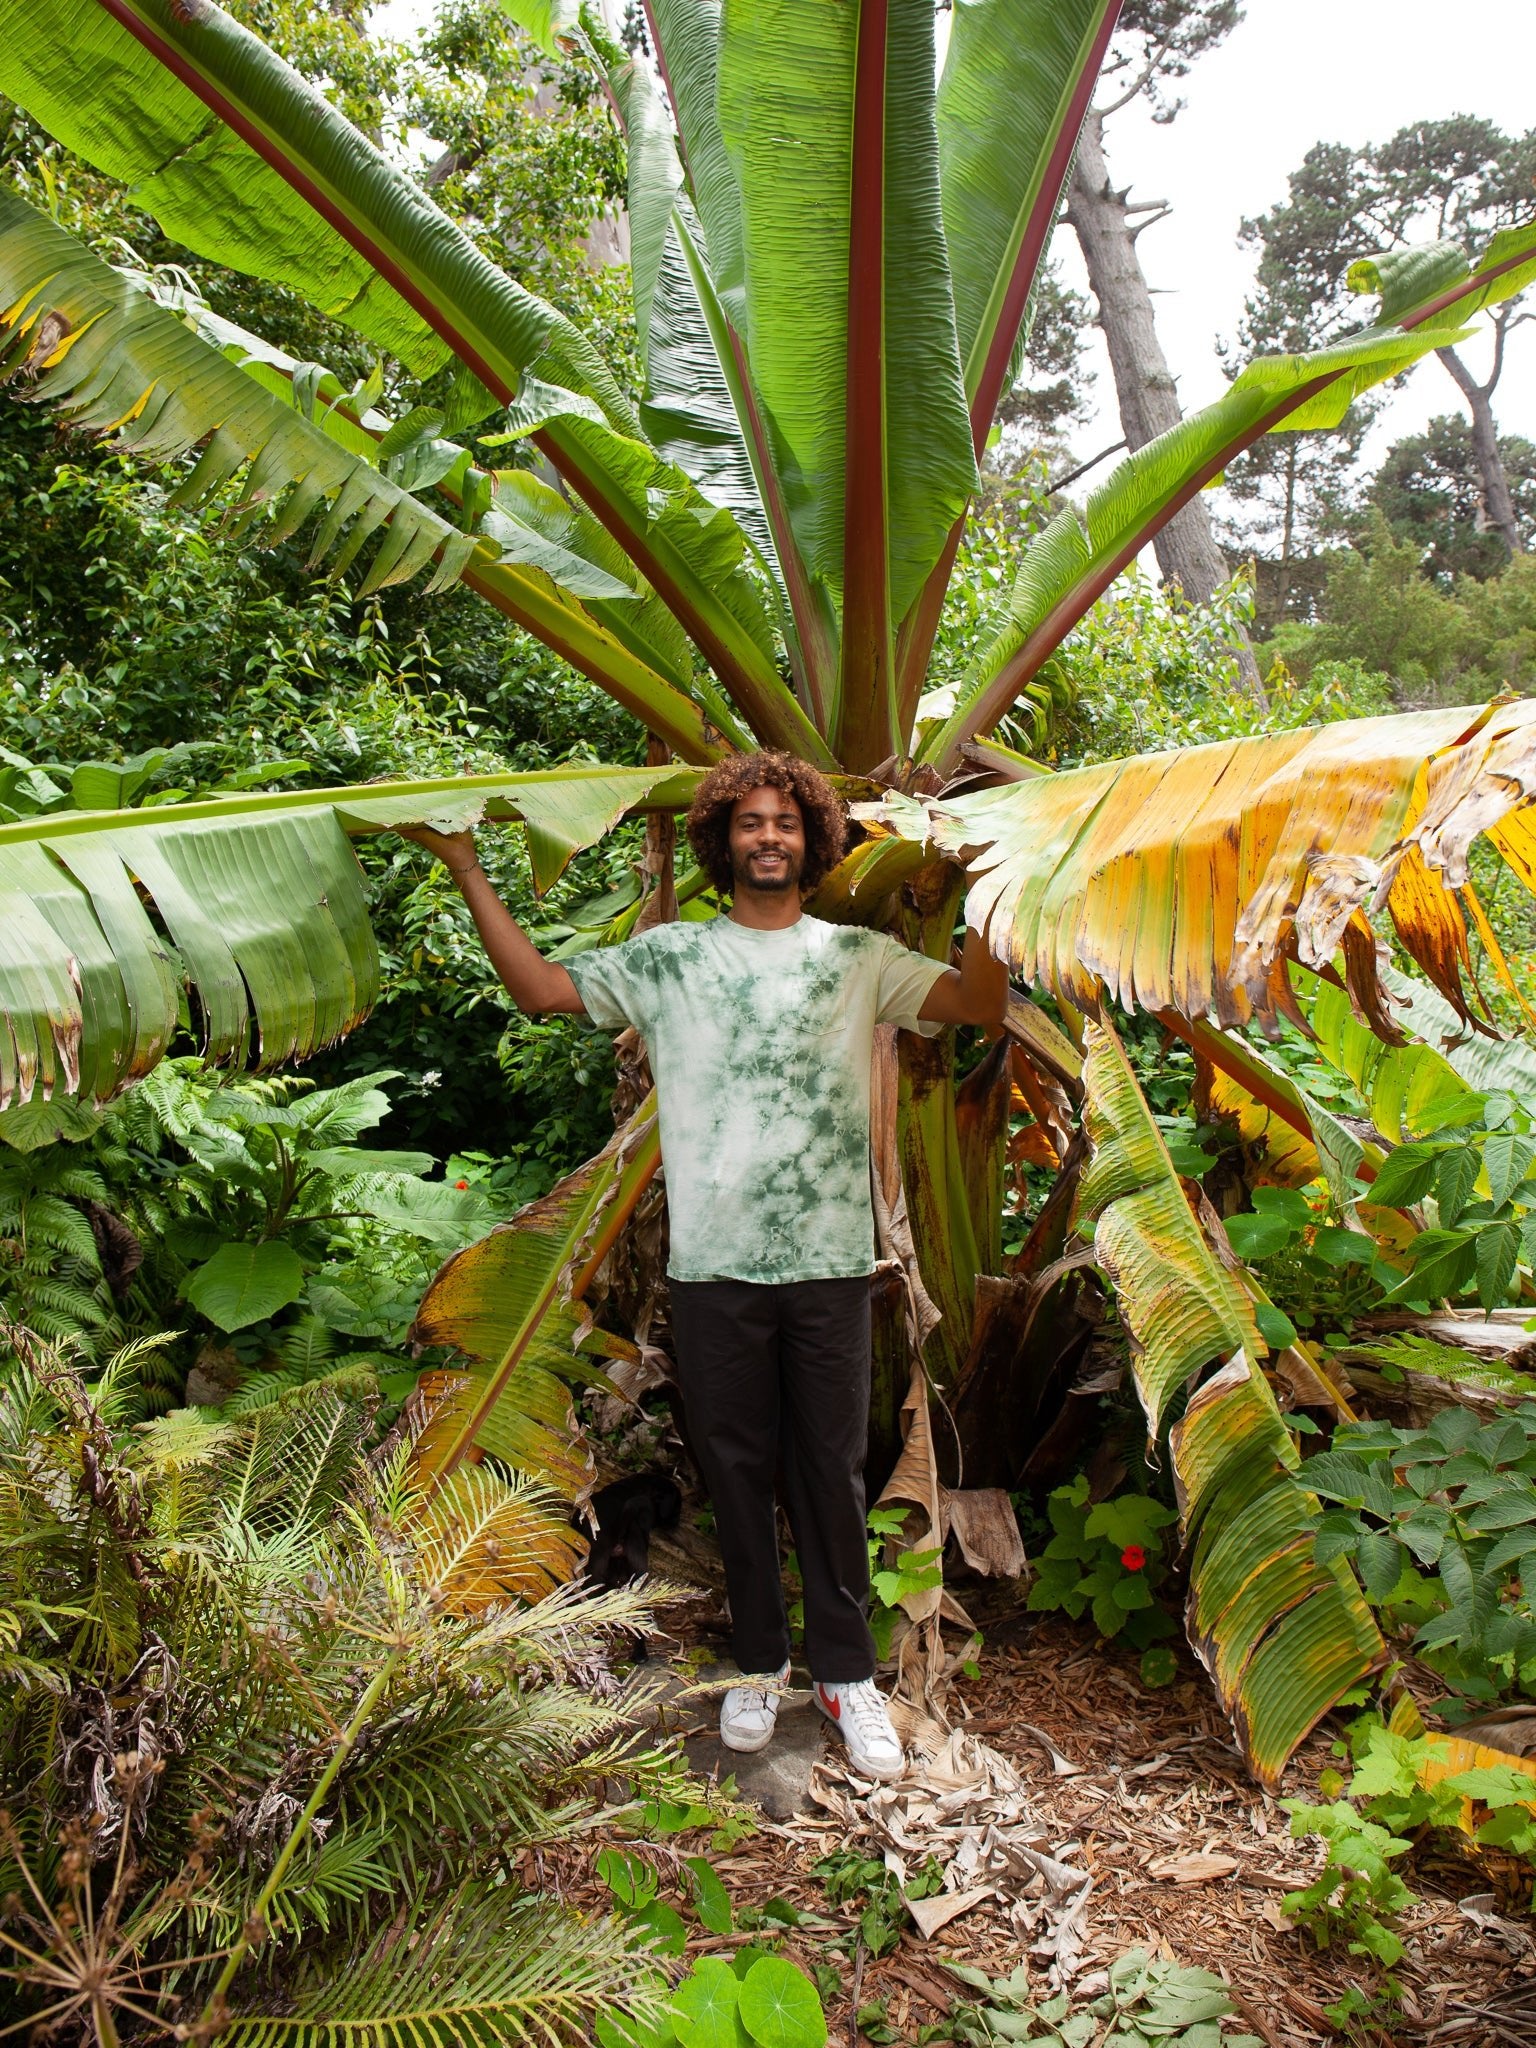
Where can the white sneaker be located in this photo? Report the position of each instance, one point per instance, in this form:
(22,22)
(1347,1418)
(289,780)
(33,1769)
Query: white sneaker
(748,1713)
(859,1713)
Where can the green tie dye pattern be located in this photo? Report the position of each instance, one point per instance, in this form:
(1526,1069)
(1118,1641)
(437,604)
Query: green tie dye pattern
(760,1043)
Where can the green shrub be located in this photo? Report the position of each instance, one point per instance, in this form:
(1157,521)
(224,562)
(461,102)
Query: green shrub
(264,1746)
(1106,1558)
(1441,1524)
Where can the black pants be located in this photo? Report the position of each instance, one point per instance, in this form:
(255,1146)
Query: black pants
(773,1373)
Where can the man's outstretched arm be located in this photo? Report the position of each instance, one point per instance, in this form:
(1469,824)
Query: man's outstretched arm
(975,992)
(532,982)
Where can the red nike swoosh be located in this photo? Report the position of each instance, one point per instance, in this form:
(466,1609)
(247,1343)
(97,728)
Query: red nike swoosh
(833,1707)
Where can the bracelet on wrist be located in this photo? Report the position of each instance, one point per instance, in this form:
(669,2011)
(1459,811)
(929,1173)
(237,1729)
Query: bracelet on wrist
(462,871)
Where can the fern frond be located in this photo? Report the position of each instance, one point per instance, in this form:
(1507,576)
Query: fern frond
(481,1537)
(182,1439)
(305,1346)
(344,1870)
(261,1390)
(488,1968)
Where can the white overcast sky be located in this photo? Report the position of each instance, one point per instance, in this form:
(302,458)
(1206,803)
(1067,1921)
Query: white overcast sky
(1292,73)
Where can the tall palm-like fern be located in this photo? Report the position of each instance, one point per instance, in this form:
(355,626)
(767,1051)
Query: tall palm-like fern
(276,1726)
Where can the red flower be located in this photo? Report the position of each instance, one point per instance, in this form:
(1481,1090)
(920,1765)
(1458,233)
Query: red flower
(461,1183)
(1133,1557)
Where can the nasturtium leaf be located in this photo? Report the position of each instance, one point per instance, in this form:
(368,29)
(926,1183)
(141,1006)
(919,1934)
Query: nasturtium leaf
(710,1898)
(704,2006)
(665,1925)
(1343,1247)
(244,1283)
(1159,1666)
(1275,1326)
(779,2007)
(622,2030)
(630,1878)
(1258,1237)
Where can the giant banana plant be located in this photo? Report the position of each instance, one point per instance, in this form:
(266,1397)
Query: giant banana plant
(834,248)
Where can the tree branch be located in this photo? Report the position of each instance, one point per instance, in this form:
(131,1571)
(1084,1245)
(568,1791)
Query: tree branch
(1151,221)
(1059,483)
(451,162)
(1463,377)
(1143,79)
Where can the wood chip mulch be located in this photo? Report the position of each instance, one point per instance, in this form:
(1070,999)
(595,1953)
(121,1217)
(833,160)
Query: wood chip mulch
(1189,1858)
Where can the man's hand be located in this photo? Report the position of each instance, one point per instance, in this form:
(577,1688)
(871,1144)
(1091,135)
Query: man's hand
(456,850)
(975,992)
(534,983)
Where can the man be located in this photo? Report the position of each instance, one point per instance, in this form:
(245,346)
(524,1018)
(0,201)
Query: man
(760,1028)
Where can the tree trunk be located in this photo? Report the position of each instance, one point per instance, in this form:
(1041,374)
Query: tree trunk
(1498,504)
(1186,549)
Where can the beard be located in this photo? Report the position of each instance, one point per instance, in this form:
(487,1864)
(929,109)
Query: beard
(775,881)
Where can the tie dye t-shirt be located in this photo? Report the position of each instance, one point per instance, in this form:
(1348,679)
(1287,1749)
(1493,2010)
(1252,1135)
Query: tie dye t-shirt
(760,1043)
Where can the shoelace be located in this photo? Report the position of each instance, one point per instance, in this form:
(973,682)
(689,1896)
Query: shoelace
(865,1708)
(762,1699)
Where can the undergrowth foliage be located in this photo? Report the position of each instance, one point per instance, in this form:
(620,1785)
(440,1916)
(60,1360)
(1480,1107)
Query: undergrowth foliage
(280,1739)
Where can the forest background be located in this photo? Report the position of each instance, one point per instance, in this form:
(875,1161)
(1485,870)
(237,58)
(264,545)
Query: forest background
(1364,582)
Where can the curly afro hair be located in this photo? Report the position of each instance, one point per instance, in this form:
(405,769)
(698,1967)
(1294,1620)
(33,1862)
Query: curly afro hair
(708,823)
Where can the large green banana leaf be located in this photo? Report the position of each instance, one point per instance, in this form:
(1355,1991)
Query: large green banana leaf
(166,380)
(279,184)
(1283,1637)
(104,353)
(242,160)
(1070,565)
(696,411)
(828,117)
(261,911)
(1018,76)
(618,632)
(1187,881)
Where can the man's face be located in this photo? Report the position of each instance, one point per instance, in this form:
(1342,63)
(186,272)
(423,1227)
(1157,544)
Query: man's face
(767,841)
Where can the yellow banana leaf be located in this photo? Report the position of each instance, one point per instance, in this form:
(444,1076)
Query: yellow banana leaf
(1182,1309)
(1285,1158)
(1188,881)
(1282,1636)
